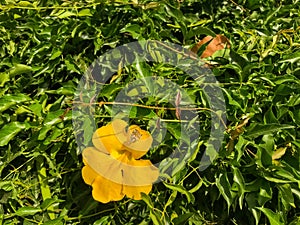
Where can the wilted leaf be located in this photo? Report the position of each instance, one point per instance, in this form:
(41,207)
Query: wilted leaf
(236,132)
(278,153)
(216,43)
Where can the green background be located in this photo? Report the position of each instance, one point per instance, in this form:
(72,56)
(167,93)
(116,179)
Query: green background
(45,48)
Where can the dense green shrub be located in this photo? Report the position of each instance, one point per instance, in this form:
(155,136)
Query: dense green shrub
(45,48)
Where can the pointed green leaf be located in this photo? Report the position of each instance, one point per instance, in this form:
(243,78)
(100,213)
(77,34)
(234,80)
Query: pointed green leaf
(175,187)
(27,211)
(257,130)
(84,12)
(10,100)
(224,188)
(19,69)
(274,218)
(8,131)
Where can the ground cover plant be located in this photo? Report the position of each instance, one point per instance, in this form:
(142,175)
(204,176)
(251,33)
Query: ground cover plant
(47,46)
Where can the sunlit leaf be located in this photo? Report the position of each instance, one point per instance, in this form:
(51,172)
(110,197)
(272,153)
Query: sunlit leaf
(10,130)
(274,218)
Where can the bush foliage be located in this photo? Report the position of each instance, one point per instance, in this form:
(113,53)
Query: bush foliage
(46,47)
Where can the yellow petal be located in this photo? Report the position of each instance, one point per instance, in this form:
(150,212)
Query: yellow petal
(139,173)
(103,164)
(110,137)
(88,174)
(105,190)
(135,192)
(138,141)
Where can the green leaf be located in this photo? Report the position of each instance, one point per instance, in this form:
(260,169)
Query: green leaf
(197,187)
(71,65)
(291,58)
(177,167)
(283,90)
(57,221)
(147,200)
(55,54)
(134,29)
(49,202)
(10,100)
(4,77)
(175,130)
(239,180)
(103,221)
(85,12)
(10,130)
(265,193)
(43,181)
(55,117)
(274,218)
(233,102)
(265,150)
(24,4)
(6,185)
(182,219)
(66,14)
(28,211)
(224,187)
(277,180)
(52,119)
(286,196)
(19,69)
(144,72)
(296,221)
(211,152)
(196,151)
(88,132)
(287,175)
(156,217)
(240,146)
(174,12)
(171,198)
(257,130)
(17,16)
(200,30)
(175,187)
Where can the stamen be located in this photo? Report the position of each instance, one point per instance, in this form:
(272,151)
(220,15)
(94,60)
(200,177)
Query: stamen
(135,136)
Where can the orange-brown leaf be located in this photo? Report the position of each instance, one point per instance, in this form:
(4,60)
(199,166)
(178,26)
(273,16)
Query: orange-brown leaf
(217,43)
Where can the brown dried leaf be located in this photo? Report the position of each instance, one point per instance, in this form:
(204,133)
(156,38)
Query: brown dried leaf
(217,43)
(236,132)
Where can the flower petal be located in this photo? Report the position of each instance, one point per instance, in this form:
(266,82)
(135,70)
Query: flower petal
(105,190)
(88,175)
(139,173)
(103,164)
(110,137)
(139,147)
(134,192)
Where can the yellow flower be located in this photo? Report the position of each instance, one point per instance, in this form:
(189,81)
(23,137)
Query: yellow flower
(112,167)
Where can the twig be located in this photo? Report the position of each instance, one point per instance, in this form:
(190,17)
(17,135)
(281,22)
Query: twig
(153,107)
